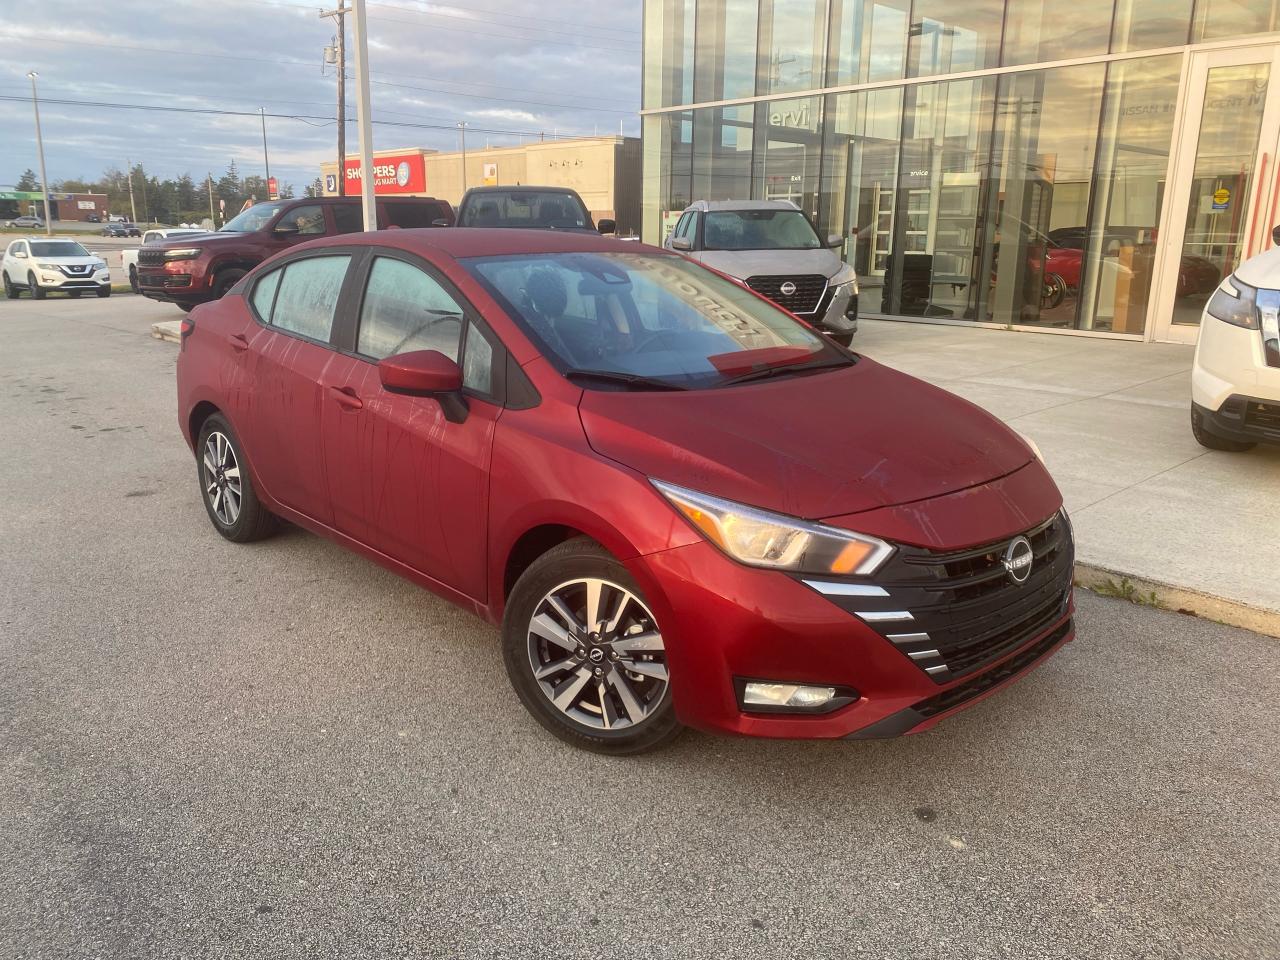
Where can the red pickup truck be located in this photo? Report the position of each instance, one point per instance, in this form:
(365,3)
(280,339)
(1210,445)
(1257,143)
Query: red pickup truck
(195,269)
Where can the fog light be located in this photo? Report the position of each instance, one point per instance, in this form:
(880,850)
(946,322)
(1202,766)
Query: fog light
(786,695)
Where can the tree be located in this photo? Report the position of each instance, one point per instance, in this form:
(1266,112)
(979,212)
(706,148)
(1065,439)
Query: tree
(315,188)
(286,191)
(186,193)
(229,187)
(28,182)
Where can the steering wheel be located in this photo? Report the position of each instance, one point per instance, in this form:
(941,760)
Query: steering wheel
(647,344)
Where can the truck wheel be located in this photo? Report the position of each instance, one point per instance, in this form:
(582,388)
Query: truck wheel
(133,279)
(224,281)
(37,291)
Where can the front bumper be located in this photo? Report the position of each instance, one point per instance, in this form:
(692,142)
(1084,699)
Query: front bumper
(176,285)
(57,280)
(837,313)
(1243,419)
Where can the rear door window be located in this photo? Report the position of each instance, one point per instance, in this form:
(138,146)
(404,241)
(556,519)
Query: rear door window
(308,296)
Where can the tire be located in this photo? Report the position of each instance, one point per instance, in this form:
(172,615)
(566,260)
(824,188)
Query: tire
(225,280)
(218,452)
(1054,292)
(10,291)
(1213,442)
(133,280)
(37,291)
(608,707)
(104,291)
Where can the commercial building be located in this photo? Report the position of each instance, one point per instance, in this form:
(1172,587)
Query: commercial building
(1082,166)
(605,171)
(62,206)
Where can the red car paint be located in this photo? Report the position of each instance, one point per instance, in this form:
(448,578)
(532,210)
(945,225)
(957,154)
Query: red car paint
(448,505)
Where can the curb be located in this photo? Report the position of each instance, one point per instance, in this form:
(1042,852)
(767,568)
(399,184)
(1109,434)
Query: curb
(170,330)
(1140,590)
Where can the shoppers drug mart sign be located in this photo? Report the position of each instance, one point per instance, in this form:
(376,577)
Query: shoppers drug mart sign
(403,173)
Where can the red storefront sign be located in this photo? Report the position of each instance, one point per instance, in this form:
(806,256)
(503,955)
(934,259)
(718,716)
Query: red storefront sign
(403,173)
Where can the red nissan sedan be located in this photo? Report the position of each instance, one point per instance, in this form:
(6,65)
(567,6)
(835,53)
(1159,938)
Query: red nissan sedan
(682,505)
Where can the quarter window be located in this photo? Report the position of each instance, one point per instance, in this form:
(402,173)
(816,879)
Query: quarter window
(477,362)
(308,296)
(404,310)
(264,294)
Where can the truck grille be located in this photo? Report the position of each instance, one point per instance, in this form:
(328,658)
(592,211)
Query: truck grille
(150,258)
(809,289)
(954,613)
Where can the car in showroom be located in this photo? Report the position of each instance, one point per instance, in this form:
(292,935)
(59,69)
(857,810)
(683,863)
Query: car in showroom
(528,208)
(771,246)
(681,505)
(41,267)
(188,270)
(25,223)
(1235,377)
(129,258)
(121,230)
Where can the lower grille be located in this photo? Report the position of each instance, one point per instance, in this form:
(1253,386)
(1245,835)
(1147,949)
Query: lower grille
(804,299)
(168,280)
(1263,417)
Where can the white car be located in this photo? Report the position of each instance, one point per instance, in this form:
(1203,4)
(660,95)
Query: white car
(39,266)
(129,258)
(1235,379)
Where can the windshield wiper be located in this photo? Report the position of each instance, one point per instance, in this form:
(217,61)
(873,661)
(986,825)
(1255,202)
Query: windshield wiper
(779,369)
(630,379)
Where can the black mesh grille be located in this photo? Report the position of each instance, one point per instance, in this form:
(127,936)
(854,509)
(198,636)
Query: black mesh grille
(804,299)
(1263,417)
(150,258)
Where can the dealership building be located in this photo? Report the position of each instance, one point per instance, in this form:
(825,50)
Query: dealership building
(62,206)
(1079,166)
(605,171)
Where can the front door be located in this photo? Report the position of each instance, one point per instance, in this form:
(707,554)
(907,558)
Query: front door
(1224,184)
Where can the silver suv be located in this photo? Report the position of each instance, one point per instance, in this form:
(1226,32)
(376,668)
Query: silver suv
(771,247)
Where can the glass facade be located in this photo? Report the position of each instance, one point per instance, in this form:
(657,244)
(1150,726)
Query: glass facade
(1029,195)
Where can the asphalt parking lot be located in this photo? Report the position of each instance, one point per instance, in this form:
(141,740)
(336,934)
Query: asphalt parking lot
(281,750)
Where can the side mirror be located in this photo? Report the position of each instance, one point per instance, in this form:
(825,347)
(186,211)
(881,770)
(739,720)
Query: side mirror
(20,254)
(1275,234)
(440,222)
(286,229)
(426,373)
(607,226)
(834,241)
(681,243)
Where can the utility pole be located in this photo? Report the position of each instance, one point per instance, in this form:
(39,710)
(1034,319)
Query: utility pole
(211,217)
(340,17)
(265,161)
(462,126)
(133,210)
(44,179)
(364,123)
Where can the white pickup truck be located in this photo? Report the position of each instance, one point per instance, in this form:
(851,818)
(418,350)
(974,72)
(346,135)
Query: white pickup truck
(129,258)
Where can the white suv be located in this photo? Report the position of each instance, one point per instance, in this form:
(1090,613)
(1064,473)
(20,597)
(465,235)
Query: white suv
(39,266)
(1235,380)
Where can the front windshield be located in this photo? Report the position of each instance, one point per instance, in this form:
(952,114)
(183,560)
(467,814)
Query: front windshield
(536,209)
(637,320)
(758,230)
(251,220)
(57,248)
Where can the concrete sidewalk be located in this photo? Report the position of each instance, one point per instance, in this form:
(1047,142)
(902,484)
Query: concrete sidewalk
(1112,418)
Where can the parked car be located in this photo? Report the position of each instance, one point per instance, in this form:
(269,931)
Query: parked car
(42,266)
(117,218)
(771,246)
(26,222)
(93,218)
(129,258)
(1235,378)
(682,505)
(536,208)
(121,230)
(188,271)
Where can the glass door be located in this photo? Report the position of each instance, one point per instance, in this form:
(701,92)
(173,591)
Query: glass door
(1224,182)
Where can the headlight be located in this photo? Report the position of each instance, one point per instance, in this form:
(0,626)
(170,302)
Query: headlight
(99,264)
(184,253)
(47,266)
(762,539)
(845,275)
(1235,303)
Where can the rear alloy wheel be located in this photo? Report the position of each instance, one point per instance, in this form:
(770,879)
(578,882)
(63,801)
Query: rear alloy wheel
(1212,441)
(37,291)
(585,653)
(228,492)
(10,291)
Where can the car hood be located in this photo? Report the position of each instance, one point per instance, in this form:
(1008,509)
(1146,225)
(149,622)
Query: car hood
(749,263)
(1262,270)
(66,261)
(811,446)
(170,243)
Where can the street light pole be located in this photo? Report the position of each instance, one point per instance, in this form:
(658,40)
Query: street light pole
(44,179)
(266,162)
(364,123)
(462,125)
(133,210)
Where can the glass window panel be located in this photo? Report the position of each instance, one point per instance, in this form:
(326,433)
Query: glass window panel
(668,46)
(668,157)
(477,362)
(405,309)
(722,158)
(308,296)
(868,40)
(725,65)
(792,45)
(1037,31)
(1143,24)
(1043,157)
(788,157)
(1234,18)
(947,37)
(1128,194)
(264,295)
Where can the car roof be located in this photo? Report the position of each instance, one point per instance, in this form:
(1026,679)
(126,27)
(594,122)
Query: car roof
(707,205)
(520,188)
(460,242)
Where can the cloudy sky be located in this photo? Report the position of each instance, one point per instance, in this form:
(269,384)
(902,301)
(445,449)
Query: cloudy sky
(506,67)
